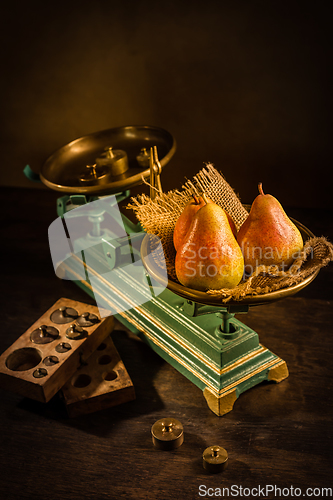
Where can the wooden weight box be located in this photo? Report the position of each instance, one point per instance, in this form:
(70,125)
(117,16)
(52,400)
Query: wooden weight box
(40,362)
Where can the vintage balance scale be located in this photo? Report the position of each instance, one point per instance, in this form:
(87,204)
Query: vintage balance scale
(189,329)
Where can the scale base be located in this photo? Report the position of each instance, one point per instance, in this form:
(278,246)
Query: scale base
(221,384)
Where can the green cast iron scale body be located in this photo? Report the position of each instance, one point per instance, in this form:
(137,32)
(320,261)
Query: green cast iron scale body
(205,342)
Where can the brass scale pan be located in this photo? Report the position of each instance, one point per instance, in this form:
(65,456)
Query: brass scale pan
(69,167)
(63,171)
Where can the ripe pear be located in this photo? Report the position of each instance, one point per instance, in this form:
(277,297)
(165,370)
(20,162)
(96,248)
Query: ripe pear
(184,220)
(210,257)
(231,224)
(268,236)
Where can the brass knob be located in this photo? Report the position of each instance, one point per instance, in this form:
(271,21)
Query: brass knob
(64,315)
(42,330)
(51,360)
(44,334)
(63,347)
(40,373)
(87,319)
(143,158)
(75,332)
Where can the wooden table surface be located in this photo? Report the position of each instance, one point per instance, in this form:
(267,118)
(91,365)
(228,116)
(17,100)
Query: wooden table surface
(278,436)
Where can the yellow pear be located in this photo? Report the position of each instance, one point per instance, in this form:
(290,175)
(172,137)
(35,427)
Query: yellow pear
(184,220)
(209,257)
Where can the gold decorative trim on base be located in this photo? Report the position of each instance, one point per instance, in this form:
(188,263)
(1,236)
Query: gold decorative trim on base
(222,404)
(278,372)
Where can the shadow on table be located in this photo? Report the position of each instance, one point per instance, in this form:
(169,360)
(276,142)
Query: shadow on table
(142,365)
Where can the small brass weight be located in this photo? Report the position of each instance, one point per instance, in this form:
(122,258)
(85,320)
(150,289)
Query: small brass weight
(167,434)
(215,459)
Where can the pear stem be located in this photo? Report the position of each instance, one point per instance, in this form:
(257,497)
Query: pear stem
(203,196)
(260,189)
(196,199)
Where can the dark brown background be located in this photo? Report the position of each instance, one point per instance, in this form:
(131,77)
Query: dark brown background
(241,84)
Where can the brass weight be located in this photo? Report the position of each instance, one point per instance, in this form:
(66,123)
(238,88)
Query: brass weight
(215,459)
(167,434)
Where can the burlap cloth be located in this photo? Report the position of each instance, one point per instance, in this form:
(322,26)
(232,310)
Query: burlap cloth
(159,217)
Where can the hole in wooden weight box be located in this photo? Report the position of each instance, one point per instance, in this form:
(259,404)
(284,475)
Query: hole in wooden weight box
(104,360)
(23,359)
(82,380)
(110,376)
(101,347)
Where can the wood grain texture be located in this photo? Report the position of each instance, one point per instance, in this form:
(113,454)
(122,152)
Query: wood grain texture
(276,434)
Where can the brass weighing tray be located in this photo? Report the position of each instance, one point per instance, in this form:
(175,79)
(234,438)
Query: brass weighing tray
(64,168)
(212,300)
